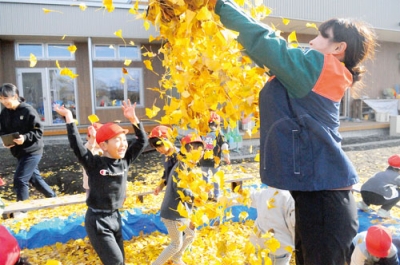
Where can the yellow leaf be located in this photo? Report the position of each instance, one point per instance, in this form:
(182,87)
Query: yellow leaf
(46,11)
(285,21)
(148,65)
(93,118)
(271,203)
(53,262)
(289,249)
(204,14)
(146,24)
(72,48)
(122,81)
(182,210)
(292,39)
(63,37)
(58,65)
(118,33)
(68,72)
(108,4)
(82,6)
(127,62)
(32,60)
(311,25)
(152,112)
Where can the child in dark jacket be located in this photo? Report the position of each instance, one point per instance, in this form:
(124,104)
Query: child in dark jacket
(107,176)
(382,189)
(191,152)
(215,148)
(161,138)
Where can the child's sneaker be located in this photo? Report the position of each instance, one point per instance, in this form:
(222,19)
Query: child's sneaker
(383,213)
(363,206)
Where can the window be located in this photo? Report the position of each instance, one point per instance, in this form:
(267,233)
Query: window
(111,90)
(58,51)
(24,50)
(44,51)
(116,52)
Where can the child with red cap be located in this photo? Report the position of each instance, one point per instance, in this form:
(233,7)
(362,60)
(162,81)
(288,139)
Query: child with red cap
(374,246)
(191,152)
(382,189)
(216,147)
(162,140)
(107,175)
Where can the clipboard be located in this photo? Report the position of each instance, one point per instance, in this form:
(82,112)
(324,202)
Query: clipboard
(8,138)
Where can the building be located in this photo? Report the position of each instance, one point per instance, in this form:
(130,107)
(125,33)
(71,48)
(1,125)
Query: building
(46,28)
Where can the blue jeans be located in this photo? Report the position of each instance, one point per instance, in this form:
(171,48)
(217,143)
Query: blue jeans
(27,171)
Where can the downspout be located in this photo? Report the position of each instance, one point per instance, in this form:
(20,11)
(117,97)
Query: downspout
(92,92)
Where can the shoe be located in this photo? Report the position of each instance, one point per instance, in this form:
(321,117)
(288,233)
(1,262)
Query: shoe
(383,213)
(19,215)
(363,206)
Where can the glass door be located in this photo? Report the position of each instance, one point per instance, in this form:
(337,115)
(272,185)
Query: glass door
(30,85)
(44,87)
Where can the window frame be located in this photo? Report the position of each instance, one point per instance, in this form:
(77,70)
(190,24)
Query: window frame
(139,71)
(45,51)
(117,53)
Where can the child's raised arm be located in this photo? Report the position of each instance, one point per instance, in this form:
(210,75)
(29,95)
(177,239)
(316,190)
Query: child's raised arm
(130,112)
(64,112)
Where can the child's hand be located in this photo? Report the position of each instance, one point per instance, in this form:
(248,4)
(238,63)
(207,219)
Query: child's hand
(64,112)
(129,111)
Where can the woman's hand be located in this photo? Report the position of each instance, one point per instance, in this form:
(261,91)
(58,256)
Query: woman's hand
(64,112)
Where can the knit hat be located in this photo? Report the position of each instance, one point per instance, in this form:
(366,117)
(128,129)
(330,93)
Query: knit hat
(394,161)
(378,241)
(161,131)
(108,131)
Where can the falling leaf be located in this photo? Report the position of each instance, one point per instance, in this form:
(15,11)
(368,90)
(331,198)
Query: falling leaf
(292,40)
(108,5)
(285,21)
(82,6)
(32,60)
(46,11)
(148,65)
(72,48)
(312,25)
(152,112)
(127,62)
(68,72)
(93,118)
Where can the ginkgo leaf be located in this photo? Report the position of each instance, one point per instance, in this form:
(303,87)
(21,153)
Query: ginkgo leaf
(108,5)
(58,64)
(68,72)
(285,21)
(127,62)
(46,11)
(152,112)
(32,60)
(148,65)
(72,48)
(118,33)
(312,25)
(63,37)
(122,80)
(93,118)
(82,6)
(292,39)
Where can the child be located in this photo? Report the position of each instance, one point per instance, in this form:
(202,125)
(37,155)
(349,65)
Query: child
(276,214)
(172,219)
(18,116)
(161,139)
(107,175)
(374,246)
(94,148)
(382,189)
(215,147)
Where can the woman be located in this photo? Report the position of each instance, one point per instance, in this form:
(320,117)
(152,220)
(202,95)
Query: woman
(299,120)
(18,116)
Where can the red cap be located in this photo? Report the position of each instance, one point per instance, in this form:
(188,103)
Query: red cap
(214,117)
(378,241)
(2,183)
(108,131)
(191,138)
(394,161)
(161,131)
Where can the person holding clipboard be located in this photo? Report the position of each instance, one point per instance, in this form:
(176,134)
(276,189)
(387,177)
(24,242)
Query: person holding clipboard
(22,120)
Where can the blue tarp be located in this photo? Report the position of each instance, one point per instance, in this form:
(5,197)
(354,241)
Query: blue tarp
(135,222)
